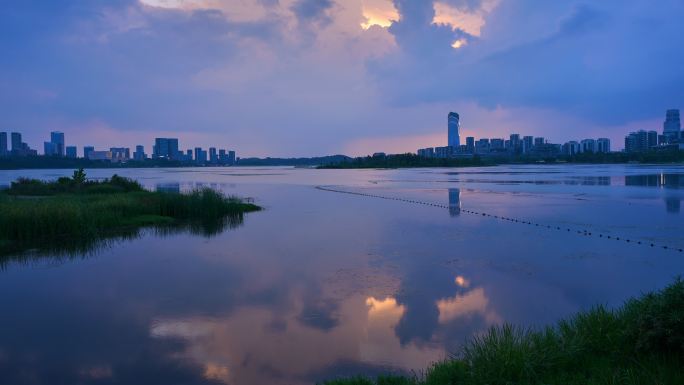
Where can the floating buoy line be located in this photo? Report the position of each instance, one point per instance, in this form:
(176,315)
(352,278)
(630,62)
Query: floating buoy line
(508,219)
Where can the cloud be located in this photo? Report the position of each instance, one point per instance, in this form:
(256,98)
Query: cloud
(588,64)
(313,11)
(304,77)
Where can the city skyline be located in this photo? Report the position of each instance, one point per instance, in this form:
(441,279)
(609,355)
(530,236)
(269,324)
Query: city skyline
(516,144)
(672,137)
(302,77)
(163,148)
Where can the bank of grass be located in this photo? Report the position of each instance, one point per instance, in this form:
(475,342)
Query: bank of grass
(640,343)
(74,211)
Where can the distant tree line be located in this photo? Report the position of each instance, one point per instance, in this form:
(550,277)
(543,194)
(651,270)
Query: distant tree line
(405,161)
(315,161)
(412,160)
(49,162)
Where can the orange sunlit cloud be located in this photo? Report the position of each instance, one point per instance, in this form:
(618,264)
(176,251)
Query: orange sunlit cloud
(379,12)
(470,21)
(470,303)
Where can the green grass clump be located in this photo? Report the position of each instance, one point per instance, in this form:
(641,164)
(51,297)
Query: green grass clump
(73,212)
(640,343)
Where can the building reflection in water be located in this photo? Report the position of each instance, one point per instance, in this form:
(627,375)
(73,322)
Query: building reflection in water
(454,202)
(673,202)
(168,187)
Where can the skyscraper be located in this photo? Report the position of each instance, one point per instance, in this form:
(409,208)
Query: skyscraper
(50,149)
(454,124)
(200,155)
(515,144)
(16,142)
(603,145)
(87,150)
(3,143)
(213,157)
(139,153)
(57,139)
(527,144)
(166,148)
(470,144)
(588,145)
(641,141)
(70,151)
(672,126)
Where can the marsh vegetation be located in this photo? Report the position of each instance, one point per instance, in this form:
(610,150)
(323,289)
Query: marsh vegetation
(76,213)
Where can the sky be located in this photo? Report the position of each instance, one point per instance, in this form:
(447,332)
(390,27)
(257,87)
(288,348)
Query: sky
(317,77)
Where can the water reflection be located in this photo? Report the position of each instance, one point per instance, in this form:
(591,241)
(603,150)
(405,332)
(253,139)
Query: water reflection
(323,285)
(168,187)
(454,202)
(666,181)
(84,247)
(248,348)
(670,181)
(673,204)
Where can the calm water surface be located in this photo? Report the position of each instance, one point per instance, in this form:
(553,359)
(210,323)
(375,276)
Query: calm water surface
(323,284)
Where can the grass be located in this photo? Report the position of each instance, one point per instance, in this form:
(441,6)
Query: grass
(640,343)
(72,213)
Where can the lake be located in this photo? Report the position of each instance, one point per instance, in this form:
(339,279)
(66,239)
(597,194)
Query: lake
(380,271)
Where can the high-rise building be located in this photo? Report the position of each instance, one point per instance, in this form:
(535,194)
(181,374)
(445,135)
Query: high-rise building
(20,148)
(641,141)
(50,149)
(427,152)
(213,156)
(514,143)
(231,157)
(497,144)
(652,139)
(527,144)
(87,150)
(482,146)
(571,148)
(3,144)
(139,153)
(188,155)
(166,148)
(672,126)
(16,142)
(454,126)
(444,152)
(200,155)
(539,141)
(120,154)
(71,151)
(100,155)
(57,139)
(470,144)
(588,145)
(603,145)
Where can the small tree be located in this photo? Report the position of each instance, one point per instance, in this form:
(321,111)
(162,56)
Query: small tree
(79,176)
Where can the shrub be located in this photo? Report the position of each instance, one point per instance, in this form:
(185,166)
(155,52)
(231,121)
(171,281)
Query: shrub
(656,321)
